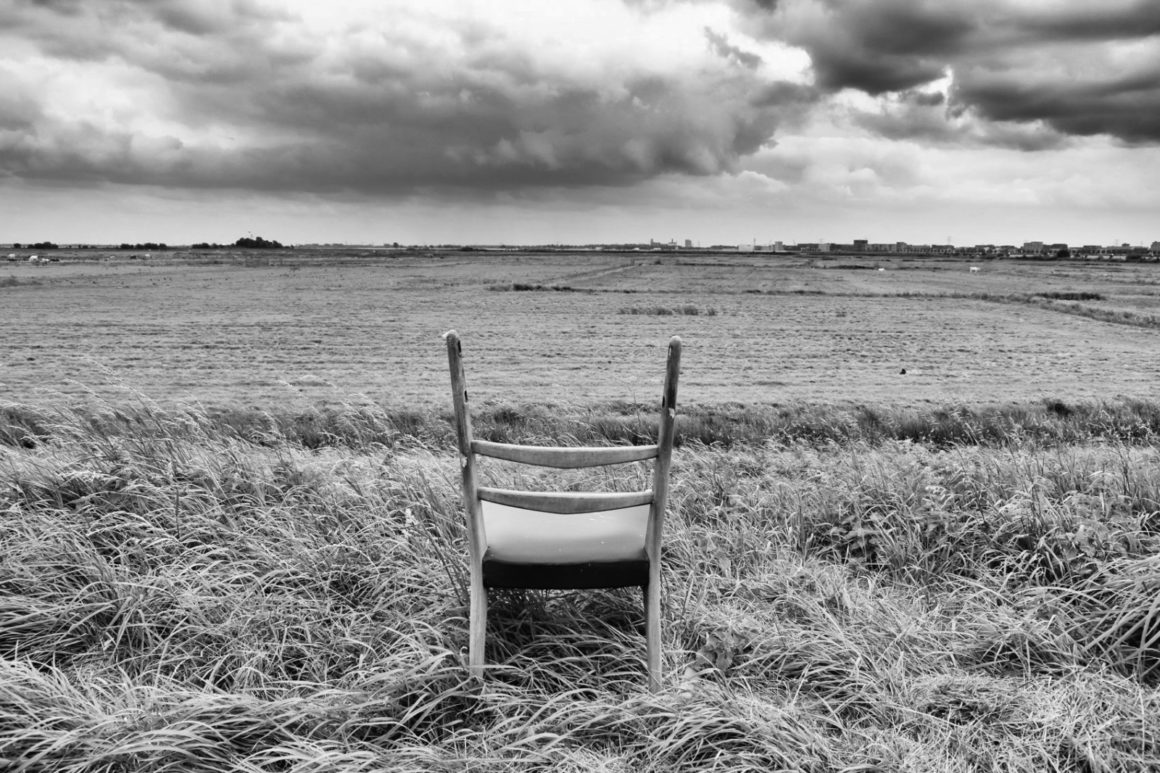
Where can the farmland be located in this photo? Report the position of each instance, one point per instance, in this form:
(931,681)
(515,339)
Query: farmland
(231,538)
(306,329)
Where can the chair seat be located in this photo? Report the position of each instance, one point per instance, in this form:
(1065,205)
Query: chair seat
(531,549)
(519,536)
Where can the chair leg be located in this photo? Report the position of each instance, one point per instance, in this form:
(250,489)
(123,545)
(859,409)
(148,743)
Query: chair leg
(652,611)
(477,626)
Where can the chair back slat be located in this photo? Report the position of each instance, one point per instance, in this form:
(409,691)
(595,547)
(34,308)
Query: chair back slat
(564,457)
(565,502)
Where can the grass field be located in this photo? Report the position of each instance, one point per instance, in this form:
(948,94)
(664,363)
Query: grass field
(937,573)
(769,329)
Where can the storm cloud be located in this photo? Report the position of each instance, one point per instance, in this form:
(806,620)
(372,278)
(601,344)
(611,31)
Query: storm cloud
(722,120)
(1079,68)
(385,100)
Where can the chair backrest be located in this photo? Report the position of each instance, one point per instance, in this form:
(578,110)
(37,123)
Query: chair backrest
(567,457)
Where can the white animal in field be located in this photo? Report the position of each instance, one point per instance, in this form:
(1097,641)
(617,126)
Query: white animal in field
(974,269)
(34,259)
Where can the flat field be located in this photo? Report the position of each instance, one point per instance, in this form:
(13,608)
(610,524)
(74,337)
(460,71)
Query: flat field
(854,579)
(312,327)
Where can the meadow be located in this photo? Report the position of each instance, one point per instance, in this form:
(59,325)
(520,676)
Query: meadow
(299,329)
(231,536)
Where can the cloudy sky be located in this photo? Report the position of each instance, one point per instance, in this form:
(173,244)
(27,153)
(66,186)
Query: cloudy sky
(524,121)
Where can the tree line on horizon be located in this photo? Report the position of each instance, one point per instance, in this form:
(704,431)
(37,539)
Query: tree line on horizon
(246,242)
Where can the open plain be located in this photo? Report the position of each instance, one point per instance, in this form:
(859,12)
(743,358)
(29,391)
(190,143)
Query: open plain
(309,326)
(231,537)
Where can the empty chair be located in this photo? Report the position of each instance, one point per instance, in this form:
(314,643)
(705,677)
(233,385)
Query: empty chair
(524,539)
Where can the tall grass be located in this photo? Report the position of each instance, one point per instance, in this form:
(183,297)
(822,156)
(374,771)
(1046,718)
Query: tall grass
(259,592)
(364,425)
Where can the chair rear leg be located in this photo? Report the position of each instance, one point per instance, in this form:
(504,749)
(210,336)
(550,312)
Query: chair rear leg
(652,611)
(477,626)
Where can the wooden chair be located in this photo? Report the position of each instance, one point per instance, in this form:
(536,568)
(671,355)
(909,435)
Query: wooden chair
(522,539)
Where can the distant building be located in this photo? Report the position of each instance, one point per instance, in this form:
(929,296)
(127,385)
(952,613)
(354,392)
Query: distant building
(1032,248)
(688,244)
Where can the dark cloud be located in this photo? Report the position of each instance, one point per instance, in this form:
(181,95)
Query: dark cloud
(841,67)
(207,40)
(876,47)
(216,17)
(1091,21)
(764,6)
(251,101)
(786,93)
(19,111)
(65,7)
(931,124)
(1127,107)
(1065,65)
(721,46)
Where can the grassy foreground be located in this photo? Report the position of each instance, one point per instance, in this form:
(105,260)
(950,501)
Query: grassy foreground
(847,590)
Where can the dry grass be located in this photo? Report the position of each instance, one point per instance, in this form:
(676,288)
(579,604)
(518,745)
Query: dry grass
(924,579)
(183,592)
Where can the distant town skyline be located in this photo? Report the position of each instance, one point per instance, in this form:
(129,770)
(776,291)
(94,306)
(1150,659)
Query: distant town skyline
(48,251)
(523,122)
